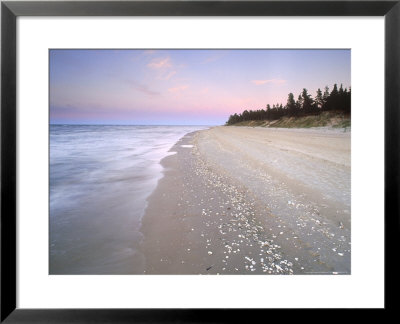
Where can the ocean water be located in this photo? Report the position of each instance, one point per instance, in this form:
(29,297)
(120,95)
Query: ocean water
(100,179)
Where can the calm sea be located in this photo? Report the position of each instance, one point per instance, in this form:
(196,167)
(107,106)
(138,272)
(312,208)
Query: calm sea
(100,178)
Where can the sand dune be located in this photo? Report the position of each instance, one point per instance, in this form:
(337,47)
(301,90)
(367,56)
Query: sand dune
(252,200)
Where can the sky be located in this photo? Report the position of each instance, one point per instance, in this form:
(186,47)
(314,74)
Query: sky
(183,87)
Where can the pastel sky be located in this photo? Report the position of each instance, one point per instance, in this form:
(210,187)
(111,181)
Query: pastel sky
(183,87)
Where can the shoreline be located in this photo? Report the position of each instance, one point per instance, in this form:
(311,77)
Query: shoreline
(224,206)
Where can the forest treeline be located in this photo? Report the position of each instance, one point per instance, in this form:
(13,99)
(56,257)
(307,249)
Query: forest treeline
(337,100)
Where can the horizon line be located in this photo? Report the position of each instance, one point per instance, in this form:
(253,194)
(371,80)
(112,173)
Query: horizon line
(85,124)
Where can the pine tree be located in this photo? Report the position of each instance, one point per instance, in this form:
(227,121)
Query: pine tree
(341,92)
(299,105)
(333,99)
(291,105)
(319,100)
(339,100)
(325,99)
(307,102)
(269,112)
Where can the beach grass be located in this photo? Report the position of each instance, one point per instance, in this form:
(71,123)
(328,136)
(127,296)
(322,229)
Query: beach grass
(330,119)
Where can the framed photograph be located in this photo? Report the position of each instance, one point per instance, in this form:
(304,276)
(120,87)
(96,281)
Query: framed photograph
(162,159)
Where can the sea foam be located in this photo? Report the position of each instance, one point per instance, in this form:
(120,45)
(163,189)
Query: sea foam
(100,178)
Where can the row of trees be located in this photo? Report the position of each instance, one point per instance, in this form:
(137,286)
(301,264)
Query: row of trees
(337,100)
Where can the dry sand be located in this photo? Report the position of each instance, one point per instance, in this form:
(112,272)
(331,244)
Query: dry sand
(242,200)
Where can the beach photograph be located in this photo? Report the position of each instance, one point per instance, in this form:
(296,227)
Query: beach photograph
(200,162)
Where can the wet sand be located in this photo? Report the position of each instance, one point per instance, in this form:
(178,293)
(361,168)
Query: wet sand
(241,200)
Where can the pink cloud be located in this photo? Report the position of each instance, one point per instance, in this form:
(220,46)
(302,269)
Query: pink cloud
(215,57)
(142,88)
(160,63)
(273,81)
(167,76)
(204,91)
(149,52)
(178,89)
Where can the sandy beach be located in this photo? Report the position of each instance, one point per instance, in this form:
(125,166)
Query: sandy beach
(242,200)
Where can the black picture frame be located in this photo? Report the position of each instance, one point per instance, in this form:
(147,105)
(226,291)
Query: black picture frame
(10,10)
